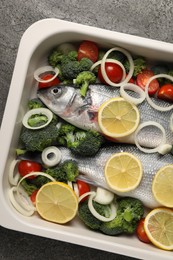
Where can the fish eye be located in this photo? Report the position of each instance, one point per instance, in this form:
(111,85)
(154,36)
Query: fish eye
(56,91)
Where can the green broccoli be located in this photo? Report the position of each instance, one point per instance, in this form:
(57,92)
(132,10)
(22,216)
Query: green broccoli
(72,55)
(80,142)
(86,143)
(67,171)
(83,80)
(28,186)
(37,120)
(55,57)
(71,68)
(87,217)
(35,103)
(39,139)
(129,212)
(139,65)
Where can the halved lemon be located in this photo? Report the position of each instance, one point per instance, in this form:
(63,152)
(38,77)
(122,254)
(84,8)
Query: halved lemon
(162,186)
(123,172)
(56,202)
(118,117)
(158,226)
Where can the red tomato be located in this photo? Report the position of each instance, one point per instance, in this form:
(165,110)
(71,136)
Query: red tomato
(88,49)
(33,196)
(166,92)
(83,187)
(113,71)
(141,232)
(51,83)
(131,81)
(26,166)
(142,79)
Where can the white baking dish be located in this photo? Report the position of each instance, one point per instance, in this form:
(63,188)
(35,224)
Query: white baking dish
(33,49)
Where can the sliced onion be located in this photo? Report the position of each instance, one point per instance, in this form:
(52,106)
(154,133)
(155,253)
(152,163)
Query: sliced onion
(163,109)
(136,89)
(112,61)
(51,156)
(85,195)
(129,57)
(13,176)
(45,69)
(70,184)
(26,176)
(97,215)
(16,204)
(164,149)
(76,190)
(103,196)
(35,111)
(145,124)
(171,122)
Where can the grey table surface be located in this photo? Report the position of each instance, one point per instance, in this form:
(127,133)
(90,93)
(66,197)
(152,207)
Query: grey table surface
(150,19)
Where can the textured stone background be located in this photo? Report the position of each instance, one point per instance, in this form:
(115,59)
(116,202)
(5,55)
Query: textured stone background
(151,19)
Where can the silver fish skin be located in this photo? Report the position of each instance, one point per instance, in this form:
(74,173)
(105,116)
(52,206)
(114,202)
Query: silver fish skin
(66,102)
(92,170)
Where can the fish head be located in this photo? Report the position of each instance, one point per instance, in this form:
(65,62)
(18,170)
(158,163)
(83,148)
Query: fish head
(57,98)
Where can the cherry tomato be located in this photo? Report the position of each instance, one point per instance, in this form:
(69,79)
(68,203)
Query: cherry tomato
(51,83)
(166,92)
(83,187)
(88,49)
(131,81)
(141,232)
(26,166)
(113,71)
(33,196)
(142,79)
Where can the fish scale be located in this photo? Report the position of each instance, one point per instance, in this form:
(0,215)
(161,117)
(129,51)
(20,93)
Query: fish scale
(67,103)
(92,169)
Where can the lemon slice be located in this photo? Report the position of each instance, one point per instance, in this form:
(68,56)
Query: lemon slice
(118,117)
(158,226)
(123,172)
(162,186)
(56,202)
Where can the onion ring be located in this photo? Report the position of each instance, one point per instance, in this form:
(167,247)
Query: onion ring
(163,109)
(45,69)
(35,111)
(150,123)
(135,88)
(104,71)
(51,156)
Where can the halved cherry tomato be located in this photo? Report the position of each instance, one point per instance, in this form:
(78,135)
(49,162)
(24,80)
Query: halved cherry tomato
(142,79)
(83,187)
(166,92)
(88,49)
(113,71)
(33,196)
(51,83)
(26,166)
(141,232)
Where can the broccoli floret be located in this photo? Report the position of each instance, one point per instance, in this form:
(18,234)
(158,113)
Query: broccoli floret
(39,139)
(80,142)
(86,143)
(55,57)
(83,80)
(71,68)
(72,55)
(87,217)
(85,64)
(28,186)
(129,212)
(139,66)
(67,171)
(37,120)
(35,103)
